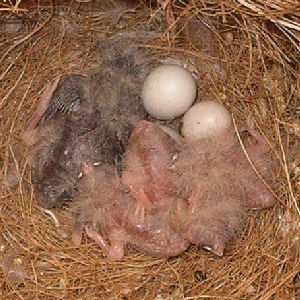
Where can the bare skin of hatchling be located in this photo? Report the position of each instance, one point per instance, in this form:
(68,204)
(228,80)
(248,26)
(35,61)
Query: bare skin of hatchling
(172,195)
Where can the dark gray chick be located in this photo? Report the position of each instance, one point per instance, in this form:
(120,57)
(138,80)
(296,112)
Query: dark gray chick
(85,118)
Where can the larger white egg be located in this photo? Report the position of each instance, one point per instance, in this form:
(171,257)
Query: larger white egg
(168,92)
(205,119)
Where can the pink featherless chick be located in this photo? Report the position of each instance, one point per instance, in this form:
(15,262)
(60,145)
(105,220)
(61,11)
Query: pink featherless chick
(221,185)
(111,216)
(107,213)
(146,165)
(189,193)
(209,182)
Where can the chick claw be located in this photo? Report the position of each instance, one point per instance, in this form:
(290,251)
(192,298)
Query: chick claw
(193,201)
(262,145)
(143,203)
(140,213)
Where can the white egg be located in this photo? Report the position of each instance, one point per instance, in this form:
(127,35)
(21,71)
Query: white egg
(205,119)
(168,92)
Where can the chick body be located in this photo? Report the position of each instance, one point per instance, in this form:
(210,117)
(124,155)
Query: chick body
(88,118)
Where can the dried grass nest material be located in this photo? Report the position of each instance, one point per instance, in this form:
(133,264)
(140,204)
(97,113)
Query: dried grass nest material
(255,43)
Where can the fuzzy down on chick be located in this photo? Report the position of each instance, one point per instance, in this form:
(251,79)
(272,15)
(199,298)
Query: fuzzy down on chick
(189,194)
(220,185)
(86,118)
(107,212)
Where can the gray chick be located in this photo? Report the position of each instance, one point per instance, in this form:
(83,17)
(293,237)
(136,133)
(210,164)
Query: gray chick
(85,118)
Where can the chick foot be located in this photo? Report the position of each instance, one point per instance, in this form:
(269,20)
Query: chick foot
(32,134)
(114,251)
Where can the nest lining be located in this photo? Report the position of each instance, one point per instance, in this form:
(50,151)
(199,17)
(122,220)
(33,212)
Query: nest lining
(255,44)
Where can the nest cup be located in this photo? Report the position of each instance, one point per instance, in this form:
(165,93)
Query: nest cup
(243,54)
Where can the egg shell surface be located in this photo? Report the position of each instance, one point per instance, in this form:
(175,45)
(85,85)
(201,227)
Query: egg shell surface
(205,119)
(168,92)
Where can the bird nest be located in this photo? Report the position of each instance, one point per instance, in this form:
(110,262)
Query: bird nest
(245,55)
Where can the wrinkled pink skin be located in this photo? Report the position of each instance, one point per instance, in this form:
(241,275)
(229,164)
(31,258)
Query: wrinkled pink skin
(220,186)
(147,163)
(191,193)
(219,165)
(107,212)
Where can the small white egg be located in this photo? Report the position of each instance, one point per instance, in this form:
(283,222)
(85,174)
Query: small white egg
(168,92)
(204,120)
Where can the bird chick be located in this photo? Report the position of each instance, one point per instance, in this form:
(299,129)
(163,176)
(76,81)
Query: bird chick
(220,186)
(224,166)
(190,193)
(85,118)
(147,160)
(209,184)
(106,211)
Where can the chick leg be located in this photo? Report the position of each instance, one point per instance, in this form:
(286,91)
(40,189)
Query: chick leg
(32,134)
(194,200)
(143,203)
(137,191)
(114,251)
(210,227)
(77,233)
(199,233)
(261,145)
